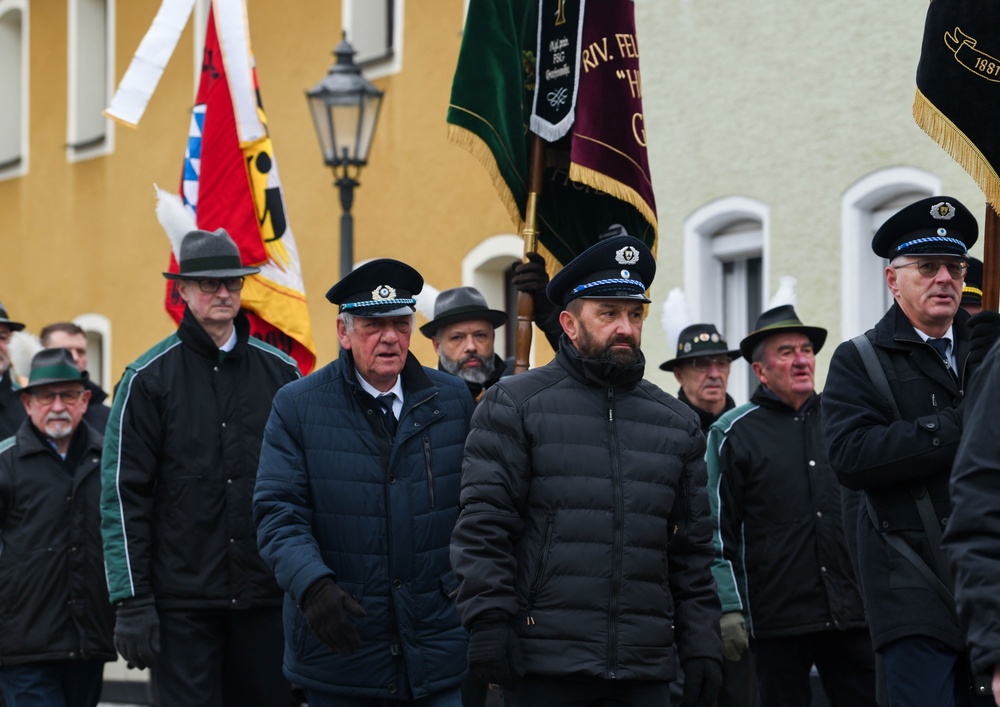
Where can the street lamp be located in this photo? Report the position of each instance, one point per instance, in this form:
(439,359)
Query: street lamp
(345,108)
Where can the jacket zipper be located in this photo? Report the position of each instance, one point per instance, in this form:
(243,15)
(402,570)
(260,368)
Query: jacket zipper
(539,571)
(616,546)
(430,469)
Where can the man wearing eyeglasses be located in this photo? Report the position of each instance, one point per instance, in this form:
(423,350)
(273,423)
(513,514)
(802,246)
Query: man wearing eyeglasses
(899,452)
(55,619)
(11,409)
(193,597)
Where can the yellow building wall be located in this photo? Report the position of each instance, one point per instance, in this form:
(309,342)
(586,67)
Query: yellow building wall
(83,237)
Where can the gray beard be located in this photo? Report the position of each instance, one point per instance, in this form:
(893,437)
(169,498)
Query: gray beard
(478,375)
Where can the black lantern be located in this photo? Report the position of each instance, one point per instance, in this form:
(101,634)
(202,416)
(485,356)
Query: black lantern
(345,108)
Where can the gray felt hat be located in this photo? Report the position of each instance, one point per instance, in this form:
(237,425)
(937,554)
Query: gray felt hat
(209,254)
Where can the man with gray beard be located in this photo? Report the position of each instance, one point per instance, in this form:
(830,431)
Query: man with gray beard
(463,332)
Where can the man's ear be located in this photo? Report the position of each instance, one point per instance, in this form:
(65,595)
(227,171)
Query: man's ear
(569,324)
(891,281)
(345,340)
(437,346)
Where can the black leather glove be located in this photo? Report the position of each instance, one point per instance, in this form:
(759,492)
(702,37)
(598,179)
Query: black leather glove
(327,608)
(137,631)
(702,680)
(985,327)
(495,651)
(531,278)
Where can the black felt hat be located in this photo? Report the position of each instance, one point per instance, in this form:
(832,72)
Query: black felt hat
(972,291)
(379,288)
(699,340)
(780,320)
(619,267)
(937,225)
(209,254)
(461,304)
(4,319)
(54,366)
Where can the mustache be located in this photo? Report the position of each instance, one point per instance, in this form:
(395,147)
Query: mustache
(58,417)
(472,357)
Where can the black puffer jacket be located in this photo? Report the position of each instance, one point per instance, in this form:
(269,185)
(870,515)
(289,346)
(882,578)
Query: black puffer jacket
(53,598)
(782,556)
(572,487)
(885,457)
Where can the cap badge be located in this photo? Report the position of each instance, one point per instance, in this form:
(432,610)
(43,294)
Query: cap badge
(687,347)
(383,292)
(629,255)
(943,211)
(703,336)
(715,338)
(942,231)
(626,274)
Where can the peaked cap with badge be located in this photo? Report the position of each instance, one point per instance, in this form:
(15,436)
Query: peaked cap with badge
(53,366)
(461,304)
(937,225)
(4,319)
(699,340)
(617,267)
(380,288)
(780,320)
(209,254)
(972,290)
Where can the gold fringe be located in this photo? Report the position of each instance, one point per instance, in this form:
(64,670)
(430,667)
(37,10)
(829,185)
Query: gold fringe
(468,140)
(617,189)
(936,124)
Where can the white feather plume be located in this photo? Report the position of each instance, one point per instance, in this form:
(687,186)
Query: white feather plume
(675,317)
(23,347)
(426,299)
(785,293)
(175,216)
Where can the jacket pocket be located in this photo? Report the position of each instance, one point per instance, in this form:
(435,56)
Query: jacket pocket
(430,471)
(538,577)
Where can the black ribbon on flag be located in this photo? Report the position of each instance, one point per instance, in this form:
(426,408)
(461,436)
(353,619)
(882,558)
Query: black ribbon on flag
(557,76)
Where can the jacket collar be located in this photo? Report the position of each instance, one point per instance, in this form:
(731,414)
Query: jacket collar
(765,397)
(896,332)
(596,373)
(191,333)
(31,441)
(477,389)
(416,384)
(705,417)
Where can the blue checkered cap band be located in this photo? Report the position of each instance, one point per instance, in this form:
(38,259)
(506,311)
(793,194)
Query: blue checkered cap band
(918,245)
(620,283)
(379,303)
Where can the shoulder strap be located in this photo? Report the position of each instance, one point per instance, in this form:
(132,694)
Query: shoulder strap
(875,373)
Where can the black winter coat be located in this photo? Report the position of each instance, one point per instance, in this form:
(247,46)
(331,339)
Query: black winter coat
(585,520)
(53,598)
(885,457)
(11,408)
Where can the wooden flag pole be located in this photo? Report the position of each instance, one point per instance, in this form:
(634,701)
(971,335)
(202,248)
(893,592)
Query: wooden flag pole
(991,259)
(525,304)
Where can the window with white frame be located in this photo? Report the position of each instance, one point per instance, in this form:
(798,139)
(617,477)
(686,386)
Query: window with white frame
(13,88)
(725,271)
(90,71)
(488,268)
(865,206)
(374,29)
(97,327)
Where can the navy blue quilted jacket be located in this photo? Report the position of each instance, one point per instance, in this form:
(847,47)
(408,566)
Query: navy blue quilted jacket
(335,498)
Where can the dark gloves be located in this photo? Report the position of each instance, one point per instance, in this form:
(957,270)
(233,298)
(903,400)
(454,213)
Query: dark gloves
(137,631)
(531,278)
(327,608)
(495,651)
(702,680)
(734,635)
(985,327)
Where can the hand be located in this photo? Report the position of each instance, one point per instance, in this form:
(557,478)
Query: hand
(531,276)
(495,651)
(985,327)
(734,635)
(137,632)
(327,608)
(702,680)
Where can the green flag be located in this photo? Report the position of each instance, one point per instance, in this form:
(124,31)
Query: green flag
(598,173)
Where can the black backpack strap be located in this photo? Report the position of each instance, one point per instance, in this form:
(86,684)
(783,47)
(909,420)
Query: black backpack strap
(875,373)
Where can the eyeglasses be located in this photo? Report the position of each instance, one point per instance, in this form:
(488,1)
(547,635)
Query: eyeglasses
(47,397)
(211,285)
(930,268)
(705,363)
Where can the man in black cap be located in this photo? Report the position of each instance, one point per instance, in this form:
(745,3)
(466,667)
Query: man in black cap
(67,335)
(463,332)
(572,590)
(55,618)
(972,289)
(11,409)
(892,429)
(356,497)
(783,565)
(193,597)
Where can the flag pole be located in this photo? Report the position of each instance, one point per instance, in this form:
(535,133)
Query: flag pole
(991,259)
(525,304)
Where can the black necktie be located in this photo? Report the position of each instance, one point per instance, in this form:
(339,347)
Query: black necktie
(385,401)
(941,346)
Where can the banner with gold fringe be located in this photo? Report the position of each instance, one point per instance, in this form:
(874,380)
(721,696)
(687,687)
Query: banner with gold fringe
(598,173)
(958,86)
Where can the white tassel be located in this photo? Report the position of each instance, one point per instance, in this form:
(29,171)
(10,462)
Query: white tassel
(674,317)
(176,217)
(23,347)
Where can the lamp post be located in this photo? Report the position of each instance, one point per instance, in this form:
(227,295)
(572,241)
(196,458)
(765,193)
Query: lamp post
(345,108)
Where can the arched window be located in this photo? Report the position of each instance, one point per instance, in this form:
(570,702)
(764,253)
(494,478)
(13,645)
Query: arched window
(13,88)
(98,330)
(864,207)
(725,271)
(375,30)
(487,267)
(90,72)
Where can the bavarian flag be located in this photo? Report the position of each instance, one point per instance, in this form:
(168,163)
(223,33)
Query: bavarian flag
(958,86)
(568,71)
(230,179)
